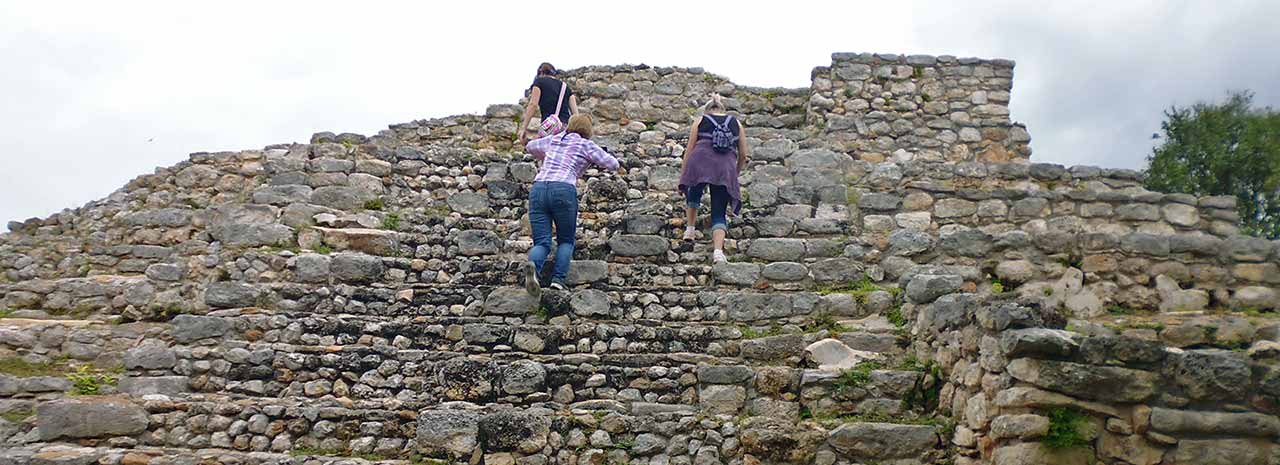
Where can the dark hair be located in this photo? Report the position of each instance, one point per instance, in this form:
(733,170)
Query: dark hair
(545,69)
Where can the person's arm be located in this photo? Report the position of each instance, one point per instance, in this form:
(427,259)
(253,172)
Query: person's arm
(688,147)
(538,147)
(573,104)
(602,158)
(529,108)
(742,146)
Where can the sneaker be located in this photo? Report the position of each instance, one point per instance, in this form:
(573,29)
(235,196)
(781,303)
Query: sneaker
(558,284)
(718,256)
(690,234)
(531,280)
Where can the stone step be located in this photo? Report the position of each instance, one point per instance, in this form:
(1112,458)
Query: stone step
(219,426)
(52,453)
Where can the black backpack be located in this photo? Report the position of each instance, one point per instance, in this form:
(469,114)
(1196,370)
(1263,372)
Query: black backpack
(722,138)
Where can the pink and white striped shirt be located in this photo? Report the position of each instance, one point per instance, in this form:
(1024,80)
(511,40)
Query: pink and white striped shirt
(566,155)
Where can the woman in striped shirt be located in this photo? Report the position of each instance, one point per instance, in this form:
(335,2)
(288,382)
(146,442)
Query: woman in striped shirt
(553,199)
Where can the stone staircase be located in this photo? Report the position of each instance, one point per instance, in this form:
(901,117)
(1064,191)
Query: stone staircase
(902,287)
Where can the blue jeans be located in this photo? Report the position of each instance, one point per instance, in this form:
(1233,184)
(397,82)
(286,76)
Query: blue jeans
(719,203)
(553,203)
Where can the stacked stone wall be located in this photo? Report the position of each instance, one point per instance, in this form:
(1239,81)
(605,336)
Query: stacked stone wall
(901,282)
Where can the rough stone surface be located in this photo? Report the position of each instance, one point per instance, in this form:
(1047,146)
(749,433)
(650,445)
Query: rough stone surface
(89,417)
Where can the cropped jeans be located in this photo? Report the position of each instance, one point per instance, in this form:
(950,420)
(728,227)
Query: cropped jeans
(719,203)
(553,203)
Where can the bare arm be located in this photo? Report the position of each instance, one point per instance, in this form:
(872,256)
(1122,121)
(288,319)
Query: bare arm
(573,105)
(688,147)
(742,146)
(529,108)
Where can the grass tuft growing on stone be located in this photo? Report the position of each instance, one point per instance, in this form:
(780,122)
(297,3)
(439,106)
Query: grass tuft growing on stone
(855,378)
(1066,429)
(16,416)
(375,204)
(16,366)
(826,322)
(391,222)
(752,333)
(86,381)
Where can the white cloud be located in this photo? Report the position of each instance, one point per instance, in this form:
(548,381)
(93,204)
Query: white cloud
(98,93)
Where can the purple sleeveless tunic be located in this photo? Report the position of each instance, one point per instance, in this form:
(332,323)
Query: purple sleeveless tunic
(705,165)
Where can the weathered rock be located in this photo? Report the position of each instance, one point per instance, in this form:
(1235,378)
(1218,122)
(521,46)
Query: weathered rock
(926,288)
(1037,342)
(1033,453)
(1210,374)
(151,355)
(1214,423)
(883,440)
(469,203)
(510,301)
(524,431)
(478,242)
(1221,452)
(89,417)
(190,328)
(776,249)
(831,354)
(230,294)
(466,379)
(633,245)
(1022,426)
(454,432)
(143,385)
(1112,384)
(356,268)
(590,303)
(722,399)
(523,377)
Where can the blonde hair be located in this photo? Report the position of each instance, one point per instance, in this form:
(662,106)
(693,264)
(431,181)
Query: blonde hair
(579,124)
(714,102)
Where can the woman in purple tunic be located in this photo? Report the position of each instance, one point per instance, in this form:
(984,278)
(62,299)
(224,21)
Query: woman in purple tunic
(716,153)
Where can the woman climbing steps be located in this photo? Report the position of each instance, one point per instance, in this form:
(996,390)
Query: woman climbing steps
(715,155)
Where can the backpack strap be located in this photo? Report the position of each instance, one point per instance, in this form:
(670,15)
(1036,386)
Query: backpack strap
(560,101)
(713,121)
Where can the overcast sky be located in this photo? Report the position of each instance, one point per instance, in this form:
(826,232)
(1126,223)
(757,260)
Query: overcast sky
(95,93)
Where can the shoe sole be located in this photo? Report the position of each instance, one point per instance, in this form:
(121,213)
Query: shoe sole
(531,280)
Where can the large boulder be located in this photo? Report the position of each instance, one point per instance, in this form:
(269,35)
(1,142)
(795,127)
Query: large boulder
(883,440)
(510,301)
(451,432)
(1112,384)
(243,225)
(89,417)
(524,431)
(1210,374)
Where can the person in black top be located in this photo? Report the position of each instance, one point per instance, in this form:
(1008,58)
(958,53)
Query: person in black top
(545,96)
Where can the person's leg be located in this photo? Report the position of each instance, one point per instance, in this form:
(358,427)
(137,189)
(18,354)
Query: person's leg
(564,201)
(719,218)
(539,225)
(693,200)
